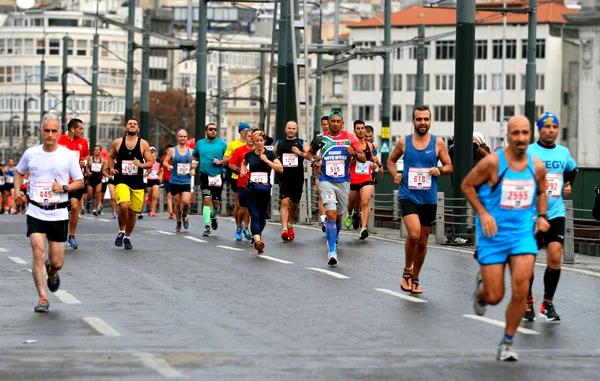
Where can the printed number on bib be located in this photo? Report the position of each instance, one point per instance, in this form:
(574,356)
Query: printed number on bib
(128,168)
(290,160)
(363,168)
(419,178)
(517,194)
(9,179)
(259,177)
(554,183)
(96,167)
(335,168)
(42,193)
(183,168)
(215,181)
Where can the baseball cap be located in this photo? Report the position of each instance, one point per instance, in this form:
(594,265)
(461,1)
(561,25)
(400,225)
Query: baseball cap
(547,117)
(336,111)
(243,126)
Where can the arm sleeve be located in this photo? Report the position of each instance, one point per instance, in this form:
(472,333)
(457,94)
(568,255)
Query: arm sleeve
(236,158)
(570,170)
(229,150)
(86,149)
(23,165)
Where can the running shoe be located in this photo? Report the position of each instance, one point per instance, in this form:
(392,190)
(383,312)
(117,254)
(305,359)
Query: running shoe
(529,314)
(506,352)
(323,227)
(178,226)
(88,207)
(259,246)
(214,224)
(206,231)
(42,306)
(285,236)
(356,221)
(119,240)
(547,310)
(72,242)
(291,234)
(247,234)
(95,212)
(479,306)
(114,215)
(348,220)
(100,209)
(186,222)
(238,235)
(140,216)
(53,280)
(127,243)
(152,213)
(171,216)
(364,233)
(332,259)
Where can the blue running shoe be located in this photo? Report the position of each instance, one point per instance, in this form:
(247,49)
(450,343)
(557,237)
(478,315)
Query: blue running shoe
(247,234)
(42,306)
(72,242)
(119,240)
(127,244)
(238,234)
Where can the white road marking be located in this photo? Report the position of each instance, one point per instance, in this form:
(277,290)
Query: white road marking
(3,250)
(100,326)
(501,324)
(87,217)
(164,232)
(330,273)
(401,296)
(275,259)
(66,298)
(158,364)
(29,270)
(17,260)
(230,248)
(103,219)
(194,239)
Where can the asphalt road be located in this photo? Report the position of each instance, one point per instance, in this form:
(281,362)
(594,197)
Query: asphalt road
(191,307)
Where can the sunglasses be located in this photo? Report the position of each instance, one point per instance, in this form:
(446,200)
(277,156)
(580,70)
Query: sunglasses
(211,129)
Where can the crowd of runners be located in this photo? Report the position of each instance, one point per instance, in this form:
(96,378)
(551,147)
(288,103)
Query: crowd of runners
(516,191)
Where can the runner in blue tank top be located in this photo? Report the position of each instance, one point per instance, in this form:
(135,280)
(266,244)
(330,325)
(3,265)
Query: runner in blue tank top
(561,170)
(506,190)
(418,191)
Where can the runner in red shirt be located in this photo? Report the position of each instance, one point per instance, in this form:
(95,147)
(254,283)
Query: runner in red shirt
(235,162)
(75,141)
(166,178)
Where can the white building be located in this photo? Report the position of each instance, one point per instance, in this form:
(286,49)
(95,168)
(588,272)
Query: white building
(554,53)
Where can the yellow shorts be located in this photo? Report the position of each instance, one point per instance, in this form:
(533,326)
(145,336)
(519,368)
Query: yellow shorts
(135,197)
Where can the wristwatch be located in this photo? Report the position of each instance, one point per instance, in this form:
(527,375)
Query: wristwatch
(65,188)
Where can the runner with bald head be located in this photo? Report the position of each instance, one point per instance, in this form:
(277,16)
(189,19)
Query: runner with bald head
(507,190)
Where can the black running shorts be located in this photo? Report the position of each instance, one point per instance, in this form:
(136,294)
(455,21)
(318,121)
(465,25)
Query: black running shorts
(426,212)
(556,233)
(56,231)
(291,189)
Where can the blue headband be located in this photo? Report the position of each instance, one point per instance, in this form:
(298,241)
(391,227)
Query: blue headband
(547,117)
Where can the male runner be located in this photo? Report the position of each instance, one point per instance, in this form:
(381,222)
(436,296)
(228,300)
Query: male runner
(316,166)
(9,187)
(506,189)
(235,164)
(418,191)
(243,128)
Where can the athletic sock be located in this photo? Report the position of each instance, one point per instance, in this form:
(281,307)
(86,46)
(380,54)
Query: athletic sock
(551,277)
(331,234)
(507,337)
(206,214)
(530,295)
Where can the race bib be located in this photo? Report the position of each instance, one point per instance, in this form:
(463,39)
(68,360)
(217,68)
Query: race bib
(96,167)
(183,168)
(290,160)
(554,184)
(517,194)
(9,179)
(363,168)
(335,168)
(128,168)
(215,181)
(419,178)
(259,177)
(42,193)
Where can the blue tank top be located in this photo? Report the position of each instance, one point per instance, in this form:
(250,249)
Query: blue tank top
(180,174)
(511,201)
(417,184)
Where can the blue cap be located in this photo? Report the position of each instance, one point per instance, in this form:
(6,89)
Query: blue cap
(243,126)
(547,117)
(336,112)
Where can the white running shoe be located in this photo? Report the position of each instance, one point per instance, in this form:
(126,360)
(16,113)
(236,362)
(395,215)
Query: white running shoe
(332,259)
(505,352)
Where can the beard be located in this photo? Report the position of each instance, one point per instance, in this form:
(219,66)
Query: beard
(131,133)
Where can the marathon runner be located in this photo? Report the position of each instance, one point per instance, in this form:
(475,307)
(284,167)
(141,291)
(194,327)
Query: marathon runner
(561,170)
(418,191)
(235,164)
(129,156)
(316,166)
(2,182)
(166,183)
(9,187)
(291,152)
(94,176)
(51,167)
(153,184)
(231,147)
(209,151)
(506,189)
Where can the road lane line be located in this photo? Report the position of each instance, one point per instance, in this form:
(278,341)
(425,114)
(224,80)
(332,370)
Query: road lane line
(103,219)
(29,270)
(501,324)
(401,296)
(87,217)
(3,250)
(158,364)
(330,273)
(230,248)
(66,298)
(275,259)
(100,326)
(194,239)
(17,260)
(164,232)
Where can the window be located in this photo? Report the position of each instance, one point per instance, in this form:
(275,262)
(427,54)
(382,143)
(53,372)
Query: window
(104,48)
(539,110)
(397,82)
(363,112)
(497,49)
(363,82)
(540,48)
(28,46)
(411,82)
(18,47)
(396,113)
(413,53)
(509,111)
(160,74)
(408,110)
(480,82)
(443,113)
(540,80)
(444,82)
(481,48)
(253,94)
(510,82)
(53,73)
(511,49)
(496,81)
(38,22)
(2,47)
(338,84)
(479,114)
(82,47)
(398,53)
(40,47)
(444,50)
(54,47)
(9,46)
